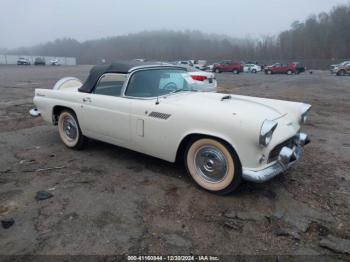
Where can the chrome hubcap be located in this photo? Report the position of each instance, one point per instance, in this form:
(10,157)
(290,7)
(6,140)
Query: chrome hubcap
(70,128)
(210,164)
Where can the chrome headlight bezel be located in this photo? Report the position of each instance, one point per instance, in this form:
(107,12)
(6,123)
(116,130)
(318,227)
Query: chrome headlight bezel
(304,112)
(266,132)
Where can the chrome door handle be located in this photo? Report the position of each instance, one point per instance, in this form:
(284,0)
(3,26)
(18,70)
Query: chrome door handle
(86,99)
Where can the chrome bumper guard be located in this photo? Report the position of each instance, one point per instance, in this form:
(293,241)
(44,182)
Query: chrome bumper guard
(286,159)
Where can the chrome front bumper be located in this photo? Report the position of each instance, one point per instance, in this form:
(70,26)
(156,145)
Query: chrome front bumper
(286,159)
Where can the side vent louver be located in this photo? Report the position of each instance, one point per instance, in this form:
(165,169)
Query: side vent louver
(159,115)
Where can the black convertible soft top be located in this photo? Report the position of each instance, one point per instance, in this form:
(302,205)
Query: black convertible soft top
(123,67)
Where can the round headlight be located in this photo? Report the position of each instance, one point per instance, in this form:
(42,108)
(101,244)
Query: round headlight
(266,132)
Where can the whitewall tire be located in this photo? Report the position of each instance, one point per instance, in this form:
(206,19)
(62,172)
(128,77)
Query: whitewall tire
(213,165)
(69,130)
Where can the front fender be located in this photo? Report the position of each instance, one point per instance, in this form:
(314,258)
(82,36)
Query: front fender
(243,145)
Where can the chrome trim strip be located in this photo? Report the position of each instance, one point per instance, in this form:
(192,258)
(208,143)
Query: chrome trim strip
(164,65)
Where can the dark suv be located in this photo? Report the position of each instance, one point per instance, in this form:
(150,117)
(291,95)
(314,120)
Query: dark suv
(228,66)
(40,61)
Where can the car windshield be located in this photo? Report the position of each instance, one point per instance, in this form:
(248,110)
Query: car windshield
(158,82)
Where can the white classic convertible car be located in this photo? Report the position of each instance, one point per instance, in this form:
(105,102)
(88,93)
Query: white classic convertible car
(156,109)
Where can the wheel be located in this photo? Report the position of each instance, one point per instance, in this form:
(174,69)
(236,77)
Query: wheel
(213,165)
(254,71)
(217,71)
(269,72)
(289,72)
(341,73)
(69,130)
(236,72)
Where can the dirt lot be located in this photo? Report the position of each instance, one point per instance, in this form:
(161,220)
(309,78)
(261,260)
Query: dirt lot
(108,200)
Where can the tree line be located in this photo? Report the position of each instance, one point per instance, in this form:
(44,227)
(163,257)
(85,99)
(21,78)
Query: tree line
(322,36)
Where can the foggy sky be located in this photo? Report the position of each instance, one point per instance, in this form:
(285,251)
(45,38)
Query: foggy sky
(29,22)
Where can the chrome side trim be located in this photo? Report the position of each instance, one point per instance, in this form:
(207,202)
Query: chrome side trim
(155,66)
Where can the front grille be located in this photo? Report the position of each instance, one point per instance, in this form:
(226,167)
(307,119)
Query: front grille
(273,156)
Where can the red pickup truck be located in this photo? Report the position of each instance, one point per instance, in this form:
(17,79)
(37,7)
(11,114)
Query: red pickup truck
(278,68)
(228,66)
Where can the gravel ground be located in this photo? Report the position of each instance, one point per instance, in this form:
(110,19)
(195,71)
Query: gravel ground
(108,200)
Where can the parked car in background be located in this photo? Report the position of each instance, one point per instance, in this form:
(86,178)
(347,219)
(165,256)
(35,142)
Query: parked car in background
(228,66)
(207,80)
(184,63)
(55,62)
(140,59)
(152,108)
(299,67)
(278,68)
(334,68)
(343,70)
(39,61)
(199,64)
(210,68)
(23,61)
(250,62)
(252,68)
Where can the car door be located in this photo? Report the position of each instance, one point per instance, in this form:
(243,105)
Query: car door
(275,68)
(230,66)
(280,68)
(223,66)
(105,113)
(249,68)
(226,66)
(150,116)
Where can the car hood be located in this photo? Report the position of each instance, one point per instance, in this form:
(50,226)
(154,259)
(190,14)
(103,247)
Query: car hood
(245,107)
